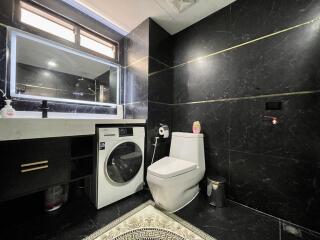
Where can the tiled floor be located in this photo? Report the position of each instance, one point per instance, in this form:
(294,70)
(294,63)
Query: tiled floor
(25,219)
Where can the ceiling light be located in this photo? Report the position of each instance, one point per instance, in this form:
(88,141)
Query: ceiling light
(52,64)
(46,73)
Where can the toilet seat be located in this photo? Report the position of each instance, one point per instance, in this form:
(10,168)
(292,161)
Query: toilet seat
(169,167)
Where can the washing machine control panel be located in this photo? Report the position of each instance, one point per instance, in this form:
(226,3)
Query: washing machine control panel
(125,132)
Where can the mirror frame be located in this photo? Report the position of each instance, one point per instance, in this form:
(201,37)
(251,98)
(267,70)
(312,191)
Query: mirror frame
(14,33)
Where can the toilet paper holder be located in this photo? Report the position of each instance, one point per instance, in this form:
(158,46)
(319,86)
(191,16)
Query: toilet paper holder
(164,130)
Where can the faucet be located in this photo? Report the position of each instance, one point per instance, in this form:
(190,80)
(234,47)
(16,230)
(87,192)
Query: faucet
(44,108)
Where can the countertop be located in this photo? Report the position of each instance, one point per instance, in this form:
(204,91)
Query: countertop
(31,128)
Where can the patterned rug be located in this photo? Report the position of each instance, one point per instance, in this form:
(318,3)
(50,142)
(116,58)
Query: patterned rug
(146,222)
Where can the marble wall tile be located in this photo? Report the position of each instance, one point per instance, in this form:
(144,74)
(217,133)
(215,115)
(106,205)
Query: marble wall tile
(203,80)
(160,43)
(214,119)
(283,187)
(138,110)
(7,10)
(284,63)
(264,17)
(137,43)
(209,35)
(136,82)
(217,162)
(160,87)
(225,28)
(156,65)
(287,62)
(295,135)
(158,114)
(273,168)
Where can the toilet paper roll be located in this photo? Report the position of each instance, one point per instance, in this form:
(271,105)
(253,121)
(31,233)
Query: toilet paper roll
(164,131)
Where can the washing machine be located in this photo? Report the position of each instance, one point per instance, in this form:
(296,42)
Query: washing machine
(120,164)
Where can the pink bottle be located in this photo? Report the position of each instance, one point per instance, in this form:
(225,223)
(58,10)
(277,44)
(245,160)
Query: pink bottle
(196,127)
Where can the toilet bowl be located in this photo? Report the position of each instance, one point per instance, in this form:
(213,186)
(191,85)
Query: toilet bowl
(174,181)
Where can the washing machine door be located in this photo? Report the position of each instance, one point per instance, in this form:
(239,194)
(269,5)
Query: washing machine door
(124,162)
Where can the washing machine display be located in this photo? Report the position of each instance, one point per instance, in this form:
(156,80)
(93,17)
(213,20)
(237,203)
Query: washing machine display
(124,162)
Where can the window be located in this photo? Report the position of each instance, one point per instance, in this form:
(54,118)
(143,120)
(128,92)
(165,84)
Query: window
(96,44)
(46,22)
(67,30)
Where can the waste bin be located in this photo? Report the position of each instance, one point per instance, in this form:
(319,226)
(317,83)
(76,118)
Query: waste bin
(216,191)
(55,196)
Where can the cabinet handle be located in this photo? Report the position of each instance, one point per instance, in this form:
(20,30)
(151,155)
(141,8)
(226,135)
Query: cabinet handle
(33,166)
(34,169)
(34,163)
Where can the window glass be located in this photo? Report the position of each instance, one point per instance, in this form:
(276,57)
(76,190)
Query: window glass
(96,44)
(46,22)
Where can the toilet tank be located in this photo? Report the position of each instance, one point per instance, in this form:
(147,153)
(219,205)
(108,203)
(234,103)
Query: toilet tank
(187,146)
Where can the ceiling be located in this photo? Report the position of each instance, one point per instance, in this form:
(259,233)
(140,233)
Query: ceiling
(127,14)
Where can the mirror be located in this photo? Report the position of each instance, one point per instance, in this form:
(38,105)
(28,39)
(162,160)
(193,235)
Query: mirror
(41,69)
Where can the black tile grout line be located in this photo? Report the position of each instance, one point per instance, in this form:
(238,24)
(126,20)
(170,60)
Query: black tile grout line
(239,45)
(241,98)
(278,219)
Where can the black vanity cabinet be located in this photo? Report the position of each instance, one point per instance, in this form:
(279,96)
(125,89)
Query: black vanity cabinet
(33,165)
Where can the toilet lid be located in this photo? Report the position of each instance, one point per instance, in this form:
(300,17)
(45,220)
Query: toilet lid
(169,167)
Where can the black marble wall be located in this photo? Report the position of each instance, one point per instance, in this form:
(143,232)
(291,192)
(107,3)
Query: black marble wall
(159,90)
(225,69)
(3,51)
(136,72)
(147,95)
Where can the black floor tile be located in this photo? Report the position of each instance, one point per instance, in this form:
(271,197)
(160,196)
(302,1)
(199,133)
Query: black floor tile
(289,232)
(232,222)
(25,218)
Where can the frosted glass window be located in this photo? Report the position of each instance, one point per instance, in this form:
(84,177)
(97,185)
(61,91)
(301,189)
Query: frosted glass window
(96,44)
(46,22)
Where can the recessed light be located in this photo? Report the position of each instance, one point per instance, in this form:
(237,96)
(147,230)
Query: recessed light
(46,73)
(52,64)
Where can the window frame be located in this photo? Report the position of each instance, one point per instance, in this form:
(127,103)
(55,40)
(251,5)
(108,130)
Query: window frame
(14,33)
(77,30)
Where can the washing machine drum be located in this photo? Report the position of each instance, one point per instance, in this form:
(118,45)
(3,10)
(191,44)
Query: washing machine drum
(124,162)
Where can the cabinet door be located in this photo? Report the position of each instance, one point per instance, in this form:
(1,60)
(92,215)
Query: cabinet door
(31,165)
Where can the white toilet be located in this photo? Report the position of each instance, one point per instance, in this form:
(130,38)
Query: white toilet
(174,180)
